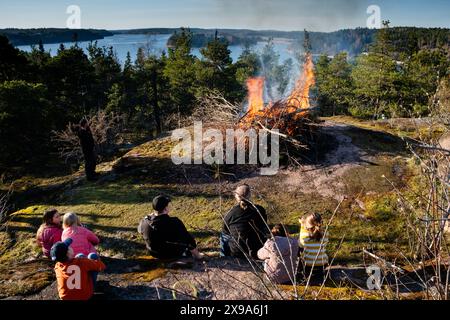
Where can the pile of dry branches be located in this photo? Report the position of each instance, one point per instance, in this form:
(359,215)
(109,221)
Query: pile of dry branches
(5,204)
(295,129)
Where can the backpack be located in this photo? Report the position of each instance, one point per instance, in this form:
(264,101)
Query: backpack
(147,229)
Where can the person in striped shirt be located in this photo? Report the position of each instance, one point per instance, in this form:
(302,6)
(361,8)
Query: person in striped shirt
(313,242)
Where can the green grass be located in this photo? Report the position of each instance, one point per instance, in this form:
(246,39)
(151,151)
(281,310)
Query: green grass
(113,209)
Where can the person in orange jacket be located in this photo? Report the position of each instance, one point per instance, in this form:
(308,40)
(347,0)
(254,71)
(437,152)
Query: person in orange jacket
(73,274)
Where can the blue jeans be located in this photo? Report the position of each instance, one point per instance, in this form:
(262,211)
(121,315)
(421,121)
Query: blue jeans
(225,245)
(92,256)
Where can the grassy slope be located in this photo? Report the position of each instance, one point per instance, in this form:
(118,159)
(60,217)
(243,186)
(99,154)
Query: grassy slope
(113,207)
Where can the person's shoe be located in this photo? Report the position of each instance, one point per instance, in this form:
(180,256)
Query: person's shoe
(201,257)
(180,264)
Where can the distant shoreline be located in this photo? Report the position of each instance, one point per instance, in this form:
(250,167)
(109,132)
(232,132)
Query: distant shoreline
(352,41)
(23,37)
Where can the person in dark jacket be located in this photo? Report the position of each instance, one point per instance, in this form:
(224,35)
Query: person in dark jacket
(87,142)
(245,228)
(166,237)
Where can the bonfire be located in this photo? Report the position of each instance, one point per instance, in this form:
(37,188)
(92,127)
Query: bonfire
(289,118)
(286,114)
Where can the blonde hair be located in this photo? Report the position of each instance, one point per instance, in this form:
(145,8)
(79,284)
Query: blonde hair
(313,224)
(71,219)
(242,194)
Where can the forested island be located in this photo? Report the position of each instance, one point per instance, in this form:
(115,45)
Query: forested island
(352,41)
(20,37)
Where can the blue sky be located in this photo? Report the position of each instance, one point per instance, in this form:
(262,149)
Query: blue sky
(315,15)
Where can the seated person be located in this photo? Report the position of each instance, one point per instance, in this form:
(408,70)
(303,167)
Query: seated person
(83,239)
(74,275)
(313,242)
(50,231)
(280,255)
(245,227)
(166,237)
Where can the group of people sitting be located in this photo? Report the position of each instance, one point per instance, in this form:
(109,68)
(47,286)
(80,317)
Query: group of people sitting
(245,234)
(72,247)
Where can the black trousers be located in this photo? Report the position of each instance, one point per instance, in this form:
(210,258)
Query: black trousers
(90,162)
(317,273)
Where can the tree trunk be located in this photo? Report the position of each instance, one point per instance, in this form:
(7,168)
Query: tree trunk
(156,109)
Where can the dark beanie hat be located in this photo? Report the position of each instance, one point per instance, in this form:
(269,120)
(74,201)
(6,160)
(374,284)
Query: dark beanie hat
(59,250)
(160,203)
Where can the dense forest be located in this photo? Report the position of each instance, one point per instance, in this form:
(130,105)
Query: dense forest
(200,40)
(401,75)
(398,76)
(40,93)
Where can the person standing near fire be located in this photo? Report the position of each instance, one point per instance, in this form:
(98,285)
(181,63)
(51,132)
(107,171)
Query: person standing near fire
(87,143)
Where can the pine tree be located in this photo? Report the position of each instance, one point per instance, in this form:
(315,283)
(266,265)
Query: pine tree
(180,72)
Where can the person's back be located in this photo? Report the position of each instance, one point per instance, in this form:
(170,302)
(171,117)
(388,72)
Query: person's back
(48,236)
(280,256)
(313,241)
(74,275)
(50,231)
(165,236)
(83,288)
(86,140)
(84,240)
(247,228)
(314,253)
(87,143)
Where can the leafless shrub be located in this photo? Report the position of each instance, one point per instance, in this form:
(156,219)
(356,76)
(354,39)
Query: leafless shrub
(105,129)
(441,102)
(426,210)
(5,205)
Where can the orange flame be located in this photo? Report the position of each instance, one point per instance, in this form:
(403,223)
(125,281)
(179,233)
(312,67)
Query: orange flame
(298,100)
(255,88)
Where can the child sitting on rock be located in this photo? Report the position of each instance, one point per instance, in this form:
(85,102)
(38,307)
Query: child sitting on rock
(74,274)
(313,240)
(50,231)
(84,240)
(280,255)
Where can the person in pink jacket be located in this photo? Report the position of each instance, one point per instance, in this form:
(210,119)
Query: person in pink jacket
(83,240)
(50,231)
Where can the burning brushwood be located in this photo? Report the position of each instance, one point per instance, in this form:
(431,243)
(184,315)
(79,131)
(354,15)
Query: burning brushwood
(285,115)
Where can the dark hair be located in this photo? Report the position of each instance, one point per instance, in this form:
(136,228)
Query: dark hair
(83,122)
(279,230)
(47,220)
(48,216)
(160,203)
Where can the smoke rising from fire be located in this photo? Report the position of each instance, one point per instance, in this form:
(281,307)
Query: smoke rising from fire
(296,14)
